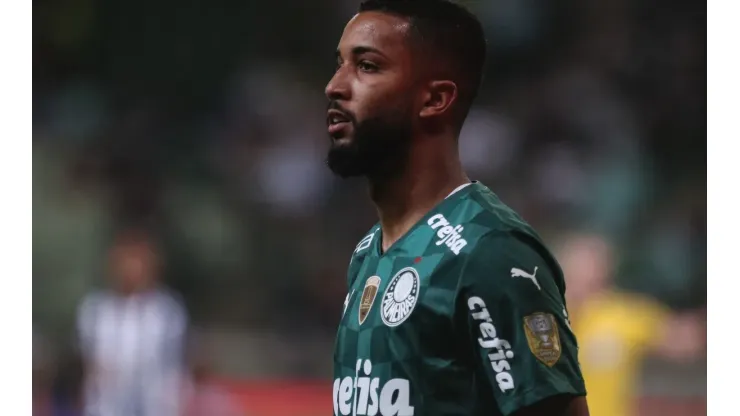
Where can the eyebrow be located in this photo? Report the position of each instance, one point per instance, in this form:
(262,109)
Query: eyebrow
(359,50)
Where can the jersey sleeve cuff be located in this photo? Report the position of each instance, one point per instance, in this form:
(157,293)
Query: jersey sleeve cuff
(535,395)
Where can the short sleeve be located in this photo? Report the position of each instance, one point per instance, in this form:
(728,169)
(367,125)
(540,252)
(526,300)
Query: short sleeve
(511,312)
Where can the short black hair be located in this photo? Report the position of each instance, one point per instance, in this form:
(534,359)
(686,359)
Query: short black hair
(448,29)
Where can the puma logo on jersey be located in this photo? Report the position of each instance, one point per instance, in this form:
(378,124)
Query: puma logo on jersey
(448,235)
(363,394)
(521,273)
(490,341)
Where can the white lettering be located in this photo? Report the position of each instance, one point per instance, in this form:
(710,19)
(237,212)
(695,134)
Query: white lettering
(336,396)
(437,221)
(345,396)
(458,246)
(363,385)
(505,381)
(482,315)
(488,341)
(393,399)
(487,330)
(448,234)
(399,388)
(372,410)
(443,233)
(500,366)
(475,302)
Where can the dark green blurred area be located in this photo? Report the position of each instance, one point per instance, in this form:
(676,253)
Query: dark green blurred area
(205,121)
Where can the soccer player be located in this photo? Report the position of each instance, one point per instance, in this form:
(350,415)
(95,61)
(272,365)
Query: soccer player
(454,304)
(132,336)
(618,329)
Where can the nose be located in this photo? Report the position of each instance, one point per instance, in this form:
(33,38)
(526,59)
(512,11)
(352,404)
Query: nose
(337,88)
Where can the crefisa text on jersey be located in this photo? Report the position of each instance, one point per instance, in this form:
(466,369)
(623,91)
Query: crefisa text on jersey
(364,396)
(449,235)
(489,341)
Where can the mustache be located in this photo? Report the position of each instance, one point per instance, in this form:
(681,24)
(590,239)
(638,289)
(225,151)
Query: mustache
(334,105)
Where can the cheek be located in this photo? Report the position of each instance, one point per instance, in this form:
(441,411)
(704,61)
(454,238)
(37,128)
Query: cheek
(379,97)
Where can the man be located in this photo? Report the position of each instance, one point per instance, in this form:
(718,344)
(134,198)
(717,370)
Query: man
(454,305)
(132,337)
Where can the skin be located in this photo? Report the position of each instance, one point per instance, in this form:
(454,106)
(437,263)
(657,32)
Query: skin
(380,74)
(133,264)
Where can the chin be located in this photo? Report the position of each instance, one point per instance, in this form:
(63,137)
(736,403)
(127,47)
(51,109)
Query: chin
(343,161)
(342,141)
(346,171)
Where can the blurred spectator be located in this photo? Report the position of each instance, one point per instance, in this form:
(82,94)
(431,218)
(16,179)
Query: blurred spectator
(132,336)
(617,330)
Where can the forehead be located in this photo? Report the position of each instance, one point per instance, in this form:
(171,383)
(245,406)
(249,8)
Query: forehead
(381,31)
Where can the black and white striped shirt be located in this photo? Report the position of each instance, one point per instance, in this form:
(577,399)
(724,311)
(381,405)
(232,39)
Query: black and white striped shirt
(134,350)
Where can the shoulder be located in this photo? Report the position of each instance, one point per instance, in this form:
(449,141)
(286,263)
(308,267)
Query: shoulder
(89,309)
(515,244)
(169,307)
(497,230)
(92,301)
(478,215)
(493,215)
(513,259)
(170,301)
(483,232)
(490,227)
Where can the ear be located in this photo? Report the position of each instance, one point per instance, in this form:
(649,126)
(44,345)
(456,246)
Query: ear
(439,97)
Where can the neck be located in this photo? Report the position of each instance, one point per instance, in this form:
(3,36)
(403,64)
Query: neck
(401,201)
(129,291)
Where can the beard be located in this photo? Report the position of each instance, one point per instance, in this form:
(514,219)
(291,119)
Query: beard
(378,149)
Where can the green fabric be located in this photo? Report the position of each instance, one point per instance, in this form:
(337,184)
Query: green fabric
(445,332)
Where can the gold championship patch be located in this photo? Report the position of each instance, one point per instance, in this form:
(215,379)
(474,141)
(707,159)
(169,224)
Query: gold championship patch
(368,297)
(543,337)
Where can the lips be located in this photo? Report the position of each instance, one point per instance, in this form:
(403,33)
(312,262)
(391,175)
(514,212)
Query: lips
(335,117)
(336,122)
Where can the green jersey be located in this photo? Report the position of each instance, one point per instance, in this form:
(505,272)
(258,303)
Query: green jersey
(464,315)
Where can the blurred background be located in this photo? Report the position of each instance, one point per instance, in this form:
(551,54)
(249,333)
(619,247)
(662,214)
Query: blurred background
(178,149)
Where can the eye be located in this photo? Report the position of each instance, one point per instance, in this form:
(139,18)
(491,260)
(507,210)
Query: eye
(366,66)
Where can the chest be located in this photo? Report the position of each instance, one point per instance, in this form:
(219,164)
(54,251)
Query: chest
(390,291)
(396,304)
(129,334)
(604,335)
